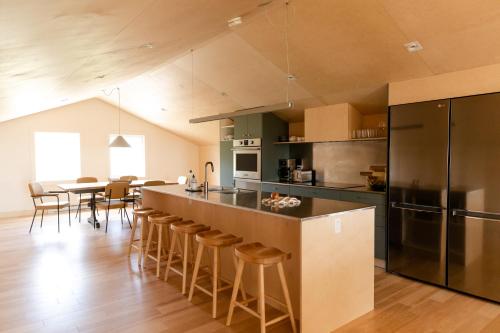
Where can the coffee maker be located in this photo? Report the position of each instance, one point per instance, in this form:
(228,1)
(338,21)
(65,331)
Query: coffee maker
(286,168)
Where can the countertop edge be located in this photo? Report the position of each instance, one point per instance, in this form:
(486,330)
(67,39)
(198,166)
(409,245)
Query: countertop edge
(153,189)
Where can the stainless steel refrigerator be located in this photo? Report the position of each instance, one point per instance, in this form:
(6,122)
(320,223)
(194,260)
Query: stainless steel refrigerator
(474,220)
(418,190)
(444,193)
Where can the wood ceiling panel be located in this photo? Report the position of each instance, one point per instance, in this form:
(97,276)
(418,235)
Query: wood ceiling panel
(456,35)
(51,53)
(335,46)
(230,65)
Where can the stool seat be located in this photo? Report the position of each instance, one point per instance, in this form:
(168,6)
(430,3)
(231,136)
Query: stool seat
(145,211)
(163,218)
(216,238)
(257,253)
(188,227)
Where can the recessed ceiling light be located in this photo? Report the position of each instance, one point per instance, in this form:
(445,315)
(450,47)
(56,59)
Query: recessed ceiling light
(148,46)
(234,21)
(102,76)
(414,46)
(292,77)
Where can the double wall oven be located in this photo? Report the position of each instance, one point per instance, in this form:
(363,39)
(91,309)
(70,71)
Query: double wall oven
(247,159)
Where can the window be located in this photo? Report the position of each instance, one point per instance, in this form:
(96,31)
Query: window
(57,156)
(128,161)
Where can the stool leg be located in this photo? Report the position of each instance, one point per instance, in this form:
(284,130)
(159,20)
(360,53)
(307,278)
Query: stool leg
(185,263)
(284,286)
(158,253)
(132,234)
(242,288)
(215,282)
(237,279)
(170,254)
(199,254)
(141,243)
(148,245)
(262,300)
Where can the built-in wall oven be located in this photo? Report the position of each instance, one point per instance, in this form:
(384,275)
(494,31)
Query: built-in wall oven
(247,159)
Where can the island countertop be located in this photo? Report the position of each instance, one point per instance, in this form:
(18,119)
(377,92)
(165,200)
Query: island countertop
(251,200)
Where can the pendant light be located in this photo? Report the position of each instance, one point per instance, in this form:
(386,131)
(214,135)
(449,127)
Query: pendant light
(119,141)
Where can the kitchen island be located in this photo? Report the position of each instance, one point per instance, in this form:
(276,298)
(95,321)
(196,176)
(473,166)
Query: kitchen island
(330,273)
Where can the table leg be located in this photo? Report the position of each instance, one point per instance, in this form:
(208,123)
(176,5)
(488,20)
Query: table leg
(93,219)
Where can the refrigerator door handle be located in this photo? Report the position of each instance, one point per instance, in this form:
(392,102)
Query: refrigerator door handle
(476,215)
(417,208)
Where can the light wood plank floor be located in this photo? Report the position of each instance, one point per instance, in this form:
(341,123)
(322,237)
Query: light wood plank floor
(81,281)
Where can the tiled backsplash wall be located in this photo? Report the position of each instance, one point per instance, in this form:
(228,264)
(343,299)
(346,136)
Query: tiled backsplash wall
(341,162)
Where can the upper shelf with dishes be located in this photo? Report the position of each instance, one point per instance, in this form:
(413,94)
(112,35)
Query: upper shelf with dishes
(336,123)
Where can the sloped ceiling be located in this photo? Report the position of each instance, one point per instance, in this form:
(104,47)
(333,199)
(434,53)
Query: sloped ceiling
(52,53)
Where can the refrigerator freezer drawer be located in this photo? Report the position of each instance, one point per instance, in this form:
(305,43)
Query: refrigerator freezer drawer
(417,244)
(473,256)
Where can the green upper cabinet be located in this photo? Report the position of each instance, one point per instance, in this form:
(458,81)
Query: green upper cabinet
(254,122)
(249,126)
(226,163)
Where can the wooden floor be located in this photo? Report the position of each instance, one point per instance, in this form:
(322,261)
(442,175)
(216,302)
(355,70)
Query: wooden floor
(82,281)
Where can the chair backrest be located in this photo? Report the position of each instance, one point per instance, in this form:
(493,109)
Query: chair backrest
(86,180)
(117,190)
(154,183)
(182,180)
(35,189)
(128,178)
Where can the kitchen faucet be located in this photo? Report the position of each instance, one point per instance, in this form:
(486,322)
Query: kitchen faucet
(205,184)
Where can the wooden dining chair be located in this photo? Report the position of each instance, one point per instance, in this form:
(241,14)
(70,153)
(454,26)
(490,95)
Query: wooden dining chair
(37,195)
(128,178)
(85,198)
(136,195)
(115,194)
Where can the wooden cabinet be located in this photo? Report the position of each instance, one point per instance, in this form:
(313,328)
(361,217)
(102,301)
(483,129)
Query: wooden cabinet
(331,122)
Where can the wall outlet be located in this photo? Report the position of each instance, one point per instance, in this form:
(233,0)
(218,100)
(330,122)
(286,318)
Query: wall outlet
(338,225)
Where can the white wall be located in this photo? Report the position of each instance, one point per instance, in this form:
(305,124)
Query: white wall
(167,155)
(210,153)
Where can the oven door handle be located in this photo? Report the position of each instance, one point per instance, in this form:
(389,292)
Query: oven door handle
(245,149)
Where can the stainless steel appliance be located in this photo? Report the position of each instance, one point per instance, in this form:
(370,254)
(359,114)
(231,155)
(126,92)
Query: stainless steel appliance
(286,168)
(247,159)
(444,193)
(302,176)
(418,186)
(474,220)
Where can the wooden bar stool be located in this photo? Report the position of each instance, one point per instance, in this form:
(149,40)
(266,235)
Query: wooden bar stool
(256,253)
(158,221)
(215,240)
(187,229)
(138,244)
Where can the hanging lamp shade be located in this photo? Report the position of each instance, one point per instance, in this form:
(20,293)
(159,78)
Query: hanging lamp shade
(119,142)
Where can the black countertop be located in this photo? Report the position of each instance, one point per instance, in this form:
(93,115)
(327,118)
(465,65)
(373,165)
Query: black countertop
(251,200)
(334,186)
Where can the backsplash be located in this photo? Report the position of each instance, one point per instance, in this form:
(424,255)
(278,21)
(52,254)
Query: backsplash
(341,162)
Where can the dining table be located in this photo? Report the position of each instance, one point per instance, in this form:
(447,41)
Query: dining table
(97,187)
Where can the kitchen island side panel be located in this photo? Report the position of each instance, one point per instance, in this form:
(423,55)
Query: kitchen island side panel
(337,284)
